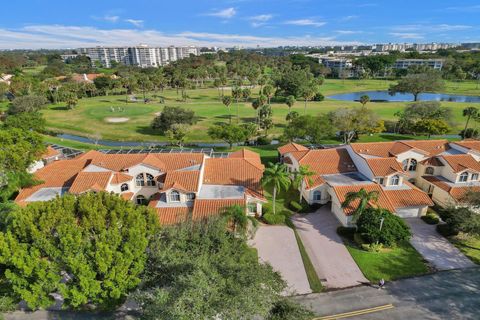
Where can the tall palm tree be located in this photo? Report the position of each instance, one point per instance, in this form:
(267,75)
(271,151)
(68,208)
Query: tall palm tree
(365,199)
(364,100)
(237,216)
(470,112)
(237,94)
(276,176)
(290,101)
(227,101)
(268,91)
(303,173)
(308,94)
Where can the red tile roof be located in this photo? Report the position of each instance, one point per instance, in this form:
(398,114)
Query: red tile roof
(414,197)
(291,147)
(50,153)
(119,177)
(186,181)
(469,144)
(90,181)
(382,167)
(172,215)
(461,162)
(456,192)
(388,149)
(206,208)
(383,200)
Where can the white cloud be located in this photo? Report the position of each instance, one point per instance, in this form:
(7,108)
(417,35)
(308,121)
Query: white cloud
(450,27)
(348,18)
(407,35)
(60,36)
(306,22)
(136,23)
(430,27)
(225,13)
(348,32)
(260,20)
(108,18)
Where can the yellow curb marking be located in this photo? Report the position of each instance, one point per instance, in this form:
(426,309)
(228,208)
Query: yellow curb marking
(356,312)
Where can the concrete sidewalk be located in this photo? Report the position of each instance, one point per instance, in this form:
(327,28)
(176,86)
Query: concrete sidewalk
(277,245)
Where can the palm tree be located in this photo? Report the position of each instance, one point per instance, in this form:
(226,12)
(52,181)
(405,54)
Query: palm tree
(290,101)
(365,199)
(470,112)
(268,91)
(227,101)
(237,216)
(364,100)
(308,94)
(276,176)
(237,94)
(303,173)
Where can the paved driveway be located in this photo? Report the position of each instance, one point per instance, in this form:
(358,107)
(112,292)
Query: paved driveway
(435,248)
(332,261)
(277,245)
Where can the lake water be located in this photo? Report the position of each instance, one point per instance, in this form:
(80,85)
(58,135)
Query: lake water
(384,96)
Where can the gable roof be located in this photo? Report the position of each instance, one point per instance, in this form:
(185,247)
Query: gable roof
(206,208)
(86,181)
(382,167)
(186,181)
(461,162)
(50,153)
(469,144)
(120,177)
(393,148)
(412,197)
(456,192)
(383,200)
(291,147)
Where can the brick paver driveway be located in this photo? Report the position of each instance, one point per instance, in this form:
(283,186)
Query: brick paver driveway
(277,245)
(331,259)
(435,248)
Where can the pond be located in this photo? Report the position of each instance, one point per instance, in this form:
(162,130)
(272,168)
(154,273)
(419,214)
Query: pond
(384,96)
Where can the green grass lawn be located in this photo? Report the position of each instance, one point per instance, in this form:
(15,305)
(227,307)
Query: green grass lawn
(402,261)
(89,116)
(470,246)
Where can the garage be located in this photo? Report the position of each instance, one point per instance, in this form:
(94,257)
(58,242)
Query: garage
(408,212)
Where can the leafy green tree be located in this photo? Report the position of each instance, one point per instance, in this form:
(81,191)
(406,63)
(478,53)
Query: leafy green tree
(238,218)
(312,129)
(227,101)
(308,92)
(229,133)
(276,176)
(173,115)
(418,83)
(30,103)
(103,84)
(26,121)
(71,101)
(470,112)
(178,133)
(431,126)
(352,122)
(291,116)
(246,93)
(364,99)
(19,149)
(200,271)
(268,92)
(423,110)
(365,200)
(91,249)
(3,90)
(265,120)
(286,309)
(292,82)
(472,198)
(394,229)
(290,101)
(463,219)
(303,174)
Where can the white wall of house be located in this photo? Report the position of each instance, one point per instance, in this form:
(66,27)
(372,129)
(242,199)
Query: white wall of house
(411,212)
(360,163)
(308,195)
(338,212)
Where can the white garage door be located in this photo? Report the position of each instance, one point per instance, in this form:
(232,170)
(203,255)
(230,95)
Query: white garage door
(409,212)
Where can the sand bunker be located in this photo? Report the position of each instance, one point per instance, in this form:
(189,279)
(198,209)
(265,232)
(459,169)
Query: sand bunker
(116,119)
(157,113)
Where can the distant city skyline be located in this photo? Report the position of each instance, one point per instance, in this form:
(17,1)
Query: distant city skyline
(34,24)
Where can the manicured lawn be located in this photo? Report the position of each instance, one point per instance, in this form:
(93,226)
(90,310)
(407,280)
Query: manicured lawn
(89,116)
(469,246)
(403,261)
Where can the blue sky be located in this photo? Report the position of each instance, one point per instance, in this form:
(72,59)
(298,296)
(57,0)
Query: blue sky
(70,24)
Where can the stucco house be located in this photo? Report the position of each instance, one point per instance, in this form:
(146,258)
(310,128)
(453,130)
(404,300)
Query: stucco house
(177,185)
(408,175)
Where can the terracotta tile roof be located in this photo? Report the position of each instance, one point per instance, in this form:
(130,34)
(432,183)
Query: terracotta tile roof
(388,149)
(250,156)
(469,144)
(378,149)
(127,195)
(50,153)
(383,200)
(382,167)
(119,177)
(461,162)
(172,215)
(291,147)
(432,147)
(433,161)
(232,171)
(456,192)
(412,197)
(206,208)
(86,181)
(182,180)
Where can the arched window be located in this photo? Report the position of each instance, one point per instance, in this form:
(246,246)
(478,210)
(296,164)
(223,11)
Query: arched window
(429,170)
(395,180)
(124,187)
(174,196)
(410,164)
(140,200)
(463,177)
(317,195)
(190,196)
(139,180)
(150,179)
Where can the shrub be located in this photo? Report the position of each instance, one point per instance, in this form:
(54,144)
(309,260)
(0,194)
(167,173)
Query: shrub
(372,247)
(394,229)
(7,304)
(463,220)
(430,218)
(357,238)
(267,208)
(346,232)
(318,97)
(264,140)
(295,206)
(285,309)
(446,230)
(274,218)
(171,116)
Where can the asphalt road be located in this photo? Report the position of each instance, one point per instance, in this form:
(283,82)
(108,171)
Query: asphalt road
(449,295)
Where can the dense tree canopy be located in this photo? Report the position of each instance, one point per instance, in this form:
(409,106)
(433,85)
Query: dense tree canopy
(30,103)
(393,228)
(90,249)
(308,128)
(173,115)
(417,83)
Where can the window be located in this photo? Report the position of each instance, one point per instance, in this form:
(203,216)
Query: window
(410,164)
(474,176)
(379,180)
(150,180)
(140,200)
(190,196)
(317,195)
(252,207)
(395,180)
(174,196)
(429,170)
(124,187)
(139,180)
(463,177)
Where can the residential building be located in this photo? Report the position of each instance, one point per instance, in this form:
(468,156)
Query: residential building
(343,67)
(436,64)
(176,185)
(6,78)
(408,175)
